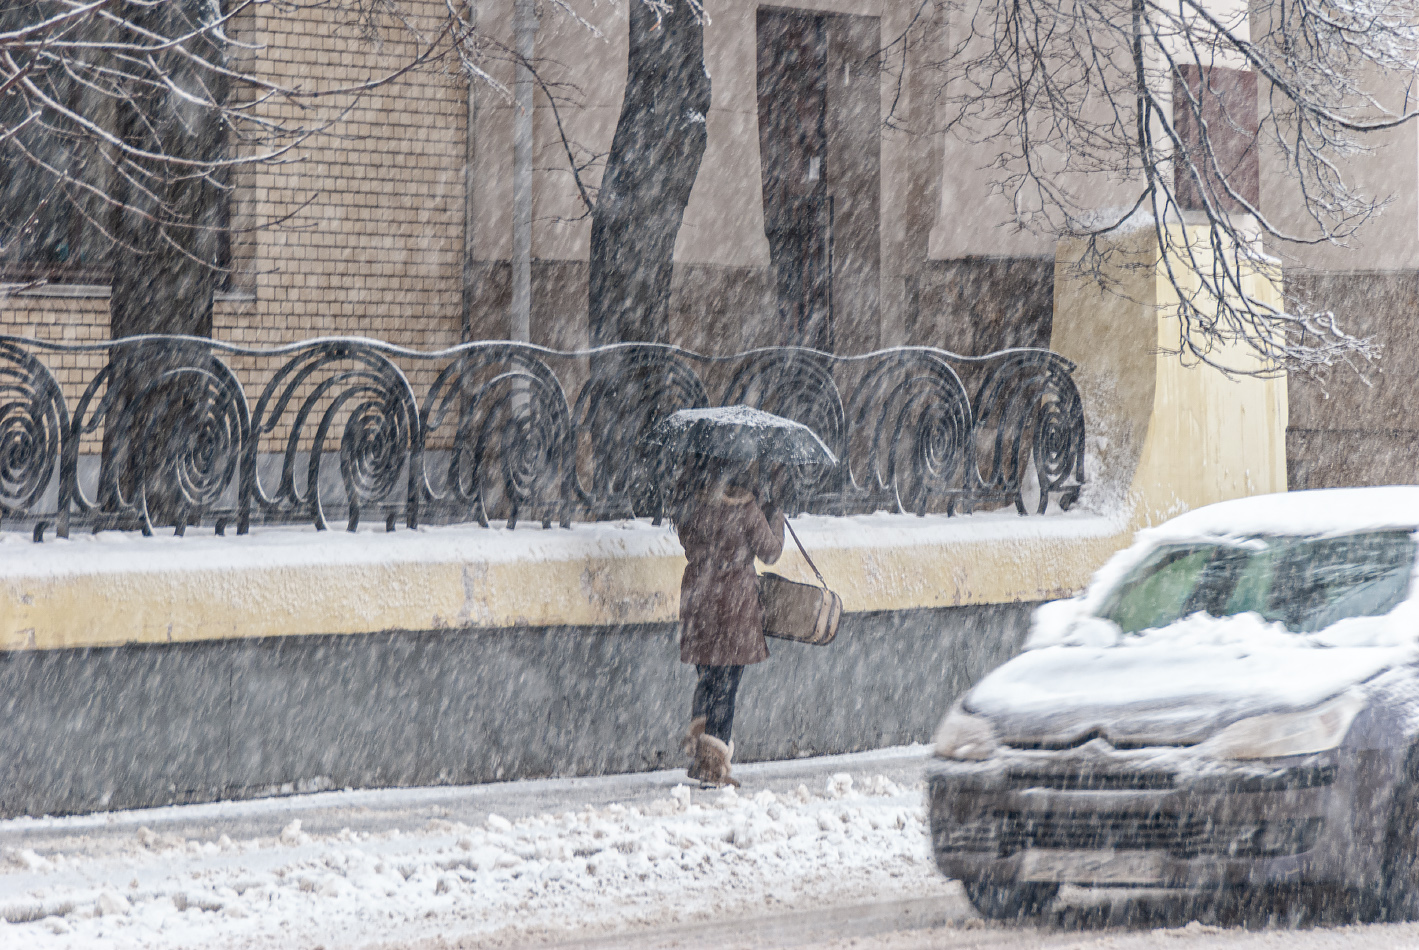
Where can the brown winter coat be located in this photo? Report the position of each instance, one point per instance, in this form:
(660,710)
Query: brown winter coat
(720,620)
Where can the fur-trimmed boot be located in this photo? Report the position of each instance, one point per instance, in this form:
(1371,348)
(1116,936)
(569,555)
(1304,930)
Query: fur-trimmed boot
(712,758)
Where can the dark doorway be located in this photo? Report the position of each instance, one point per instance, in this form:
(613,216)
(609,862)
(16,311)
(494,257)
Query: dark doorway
(820,155)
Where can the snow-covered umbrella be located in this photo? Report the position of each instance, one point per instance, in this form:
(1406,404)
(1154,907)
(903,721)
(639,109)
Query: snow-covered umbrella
(739,434)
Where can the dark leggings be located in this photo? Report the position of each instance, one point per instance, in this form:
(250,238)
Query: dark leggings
(714,699)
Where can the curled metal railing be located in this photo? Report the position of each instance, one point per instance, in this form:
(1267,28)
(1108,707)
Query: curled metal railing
(165,433)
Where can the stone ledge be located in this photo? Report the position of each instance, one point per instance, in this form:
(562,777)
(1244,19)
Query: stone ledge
(65,291)
(115,588)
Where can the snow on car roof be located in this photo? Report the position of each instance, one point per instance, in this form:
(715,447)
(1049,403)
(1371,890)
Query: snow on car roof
(1318,512)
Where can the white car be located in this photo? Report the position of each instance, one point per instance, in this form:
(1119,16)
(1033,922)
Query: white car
(1233,703)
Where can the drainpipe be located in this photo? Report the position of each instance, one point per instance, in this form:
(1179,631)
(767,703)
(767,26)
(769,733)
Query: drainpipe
(524,16)
(469,206)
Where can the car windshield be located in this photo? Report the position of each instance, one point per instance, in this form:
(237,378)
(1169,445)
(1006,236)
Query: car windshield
(1305,583)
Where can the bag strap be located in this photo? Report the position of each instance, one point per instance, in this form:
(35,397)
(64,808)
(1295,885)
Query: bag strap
(804,552)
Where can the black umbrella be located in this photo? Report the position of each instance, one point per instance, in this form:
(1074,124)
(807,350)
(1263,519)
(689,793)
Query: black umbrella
(739,434)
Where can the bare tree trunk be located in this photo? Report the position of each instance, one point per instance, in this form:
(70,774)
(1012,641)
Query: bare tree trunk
(655,157)
(170,234)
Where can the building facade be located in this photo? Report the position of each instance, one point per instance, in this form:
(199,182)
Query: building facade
(811,220)
(829,210)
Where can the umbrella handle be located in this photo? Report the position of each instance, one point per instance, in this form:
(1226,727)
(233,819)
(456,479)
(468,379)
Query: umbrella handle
(804,552)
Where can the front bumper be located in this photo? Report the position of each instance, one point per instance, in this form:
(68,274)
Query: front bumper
(1128,820)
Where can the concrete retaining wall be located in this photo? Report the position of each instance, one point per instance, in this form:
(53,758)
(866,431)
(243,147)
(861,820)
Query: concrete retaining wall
(148,725)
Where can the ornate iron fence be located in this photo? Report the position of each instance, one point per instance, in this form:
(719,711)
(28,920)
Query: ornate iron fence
(164,433)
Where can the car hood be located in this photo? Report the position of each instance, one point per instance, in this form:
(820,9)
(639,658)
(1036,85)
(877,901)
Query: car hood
(1163,694)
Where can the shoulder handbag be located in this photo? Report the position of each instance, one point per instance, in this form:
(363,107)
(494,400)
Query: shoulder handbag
(801,612)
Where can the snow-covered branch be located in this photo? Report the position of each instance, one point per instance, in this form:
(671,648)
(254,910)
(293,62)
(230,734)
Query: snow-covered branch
(1165,110)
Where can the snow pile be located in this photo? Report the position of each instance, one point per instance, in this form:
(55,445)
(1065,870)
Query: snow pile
(692,855)
(1071,623)
(286,546)
(293,546)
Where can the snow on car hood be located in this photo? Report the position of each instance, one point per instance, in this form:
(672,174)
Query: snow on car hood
(1176,685)
(1179,683)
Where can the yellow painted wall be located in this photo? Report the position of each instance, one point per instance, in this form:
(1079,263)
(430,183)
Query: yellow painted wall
(1183,433)
(167,601)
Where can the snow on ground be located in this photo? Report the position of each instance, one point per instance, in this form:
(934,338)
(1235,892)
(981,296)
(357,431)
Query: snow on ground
(687,855)
(827,853)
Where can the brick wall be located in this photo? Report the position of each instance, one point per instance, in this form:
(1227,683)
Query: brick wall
(359,231)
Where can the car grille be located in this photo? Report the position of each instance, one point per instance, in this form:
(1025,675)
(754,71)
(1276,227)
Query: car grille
(1181,835)
(1074,742)
(1094,832)
(1090,781)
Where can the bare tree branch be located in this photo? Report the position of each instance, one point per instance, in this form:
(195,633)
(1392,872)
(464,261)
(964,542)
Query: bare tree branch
(1133,105)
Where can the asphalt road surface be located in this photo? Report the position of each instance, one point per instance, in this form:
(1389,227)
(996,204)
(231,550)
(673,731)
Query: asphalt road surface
(1083,920)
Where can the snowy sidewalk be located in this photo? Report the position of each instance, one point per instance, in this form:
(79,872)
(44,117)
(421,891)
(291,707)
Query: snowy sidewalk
(516,862)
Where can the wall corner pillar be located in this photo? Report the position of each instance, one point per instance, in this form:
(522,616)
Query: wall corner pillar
(1167,433)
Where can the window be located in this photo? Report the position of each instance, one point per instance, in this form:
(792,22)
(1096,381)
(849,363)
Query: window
(45,211)
(1225,99)
(55,178)
(1307,584)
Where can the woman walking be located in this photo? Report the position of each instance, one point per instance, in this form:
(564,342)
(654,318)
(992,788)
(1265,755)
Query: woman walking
(724,527)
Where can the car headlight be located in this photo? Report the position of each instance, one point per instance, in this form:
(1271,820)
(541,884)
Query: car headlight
(965,737)
(1295,733)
